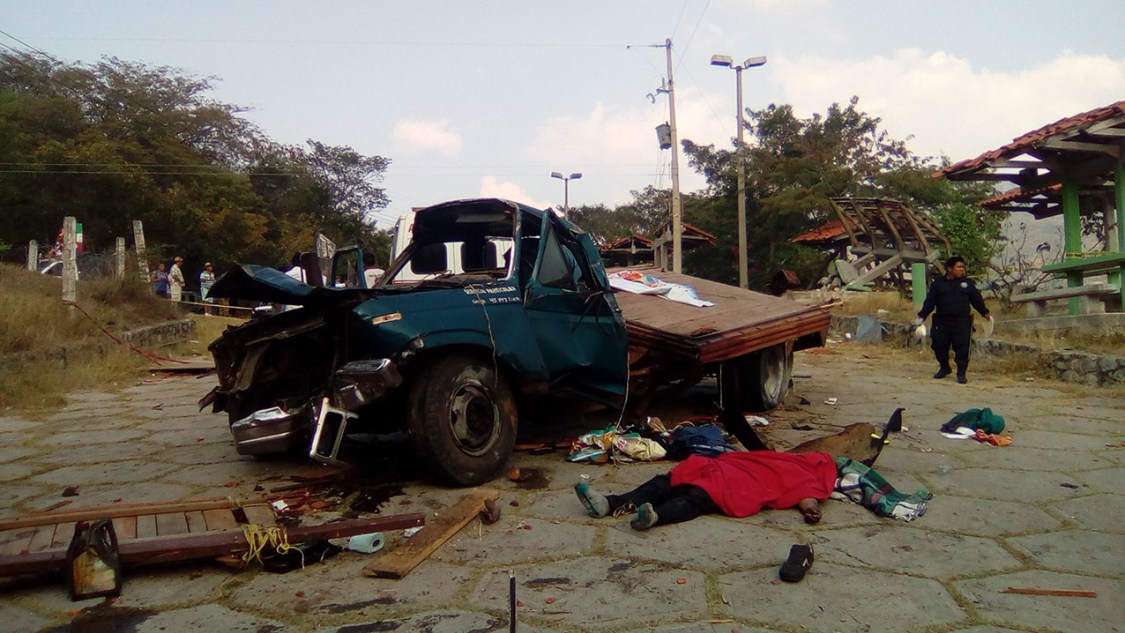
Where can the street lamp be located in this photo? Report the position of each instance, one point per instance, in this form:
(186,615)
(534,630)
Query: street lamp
(566,188)
(751,62)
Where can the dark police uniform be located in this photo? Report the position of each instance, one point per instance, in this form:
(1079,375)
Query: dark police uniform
(953,321)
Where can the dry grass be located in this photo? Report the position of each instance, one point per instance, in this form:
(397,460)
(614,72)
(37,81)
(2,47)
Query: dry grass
(48,349)
(890,306)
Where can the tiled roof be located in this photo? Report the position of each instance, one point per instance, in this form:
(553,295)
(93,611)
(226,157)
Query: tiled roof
(826,232)
(1035,140)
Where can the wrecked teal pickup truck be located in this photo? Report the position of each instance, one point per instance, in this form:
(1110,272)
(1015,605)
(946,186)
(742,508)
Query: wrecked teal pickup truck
(528,312)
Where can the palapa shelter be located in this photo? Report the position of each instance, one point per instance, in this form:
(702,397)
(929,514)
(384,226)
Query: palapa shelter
(1073,167)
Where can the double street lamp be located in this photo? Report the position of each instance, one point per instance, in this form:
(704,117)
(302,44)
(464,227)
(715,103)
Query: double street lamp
(727,62)
(566,188)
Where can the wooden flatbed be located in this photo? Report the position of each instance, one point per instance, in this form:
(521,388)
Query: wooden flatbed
(740,322)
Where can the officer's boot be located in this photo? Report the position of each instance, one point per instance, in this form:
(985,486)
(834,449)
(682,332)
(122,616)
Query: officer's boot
(961,369)
(943,368)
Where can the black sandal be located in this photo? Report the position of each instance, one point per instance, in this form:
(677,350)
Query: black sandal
(799,561)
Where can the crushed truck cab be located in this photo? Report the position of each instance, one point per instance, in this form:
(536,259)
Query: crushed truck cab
(445,358)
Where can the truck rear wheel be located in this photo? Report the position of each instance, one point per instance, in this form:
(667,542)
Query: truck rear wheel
(462,420)
(758,381)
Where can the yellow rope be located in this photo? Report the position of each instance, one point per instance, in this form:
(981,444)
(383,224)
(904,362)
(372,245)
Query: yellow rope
(258,538)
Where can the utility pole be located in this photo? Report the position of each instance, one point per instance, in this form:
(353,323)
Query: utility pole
(677,209)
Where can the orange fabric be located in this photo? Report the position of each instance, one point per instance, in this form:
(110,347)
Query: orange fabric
(995,440)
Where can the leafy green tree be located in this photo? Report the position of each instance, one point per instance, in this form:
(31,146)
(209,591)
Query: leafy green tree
(972,234)
(118,141)
(793,167)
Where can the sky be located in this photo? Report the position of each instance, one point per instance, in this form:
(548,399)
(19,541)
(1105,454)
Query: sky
(487,98)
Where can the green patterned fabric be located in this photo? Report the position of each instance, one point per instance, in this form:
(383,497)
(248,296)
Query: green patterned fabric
(860,484)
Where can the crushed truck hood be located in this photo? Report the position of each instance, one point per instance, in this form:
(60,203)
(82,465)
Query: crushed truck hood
(251,282)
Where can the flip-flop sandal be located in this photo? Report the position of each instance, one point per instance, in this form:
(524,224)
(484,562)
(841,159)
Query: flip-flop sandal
(799,561)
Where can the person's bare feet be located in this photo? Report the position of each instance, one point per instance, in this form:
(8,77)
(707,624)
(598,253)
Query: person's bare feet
(810,508)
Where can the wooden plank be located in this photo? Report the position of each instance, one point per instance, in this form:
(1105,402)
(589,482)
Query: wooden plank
(160,550)
(125,527)
(146,526)
(1066,593)
(220,519)
(114,511)
(171,524)
(195,521)
(398,563)
(63,533)
(16,541)
(260,513)
(44,536)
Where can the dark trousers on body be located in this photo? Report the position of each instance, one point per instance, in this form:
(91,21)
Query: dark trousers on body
(951,333)
(673,504)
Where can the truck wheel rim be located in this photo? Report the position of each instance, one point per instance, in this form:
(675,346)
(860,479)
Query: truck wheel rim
(474,419)
(774,377)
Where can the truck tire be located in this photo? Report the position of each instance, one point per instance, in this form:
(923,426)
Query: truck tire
(462,419)
(758,381)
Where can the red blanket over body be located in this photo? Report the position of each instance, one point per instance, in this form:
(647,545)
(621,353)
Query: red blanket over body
(741,483)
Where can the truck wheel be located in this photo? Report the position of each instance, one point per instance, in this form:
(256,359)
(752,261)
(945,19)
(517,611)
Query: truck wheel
(462,420)
(758,381)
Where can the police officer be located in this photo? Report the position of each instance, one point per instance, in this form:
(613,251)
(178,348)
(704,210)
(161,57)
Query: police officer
(952,296)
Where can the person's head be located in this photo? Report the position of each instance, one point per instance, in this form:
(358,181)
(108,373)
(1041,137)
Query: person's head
(955,267)
(178,260)
(208,267)
(160,266)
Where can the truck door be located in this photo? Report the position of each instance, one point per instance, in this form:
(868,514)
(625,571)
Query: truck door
(574,318)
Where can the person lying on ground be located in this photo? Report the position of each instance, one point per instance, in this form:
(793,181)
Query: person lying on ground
(740,483)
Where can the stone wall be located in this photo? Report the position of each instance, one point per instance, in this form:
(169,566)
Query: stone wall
(1066,365)
(161,334)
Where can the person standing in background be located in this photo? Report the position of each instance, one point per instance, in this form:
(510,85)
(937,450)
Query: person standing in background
(206,280)
(176,279)
(953,297)
(159,279)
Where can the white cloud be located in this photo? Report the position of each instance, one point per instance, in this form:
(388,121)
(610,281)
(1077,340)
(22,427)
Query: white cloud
(947,105)
(427,136)
(492,188)
(615,144)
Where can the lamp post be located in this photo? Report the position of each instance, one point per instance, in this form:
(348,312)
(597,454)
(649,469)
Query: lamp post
(566,188)
(726,61)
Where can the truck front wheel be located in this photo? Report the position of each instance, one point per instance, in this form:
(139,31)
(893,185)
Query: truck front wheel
(758,381)
(462,419)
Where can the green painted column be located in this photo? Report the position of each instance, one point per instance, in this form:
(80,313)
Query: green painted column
(1119,190)
(1072,239)
(918,283)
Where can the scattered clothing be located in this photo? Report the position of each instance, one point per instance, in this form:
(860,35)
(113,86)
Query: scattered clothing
(859,484)
(990,438)
(983,419)
(639,283)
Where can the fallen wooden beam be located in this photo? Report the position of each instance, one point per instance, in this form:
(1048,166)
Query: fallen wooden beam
(1068,593)
(399,562)
(114,511)
(158,550)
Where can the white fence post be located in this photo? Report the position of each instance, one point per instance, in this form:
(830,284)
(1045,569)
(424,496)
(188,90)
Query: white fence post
(70,265)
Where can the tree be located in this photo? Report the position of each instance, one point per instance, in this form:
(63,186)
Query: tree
(793,167)
(118,141)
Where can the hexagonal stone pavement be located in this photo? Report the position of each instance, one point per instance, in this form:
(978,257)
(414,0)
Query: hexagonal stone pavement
(833,598)
(1077,550)
(1056,613)
(597,593)
(917,552)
